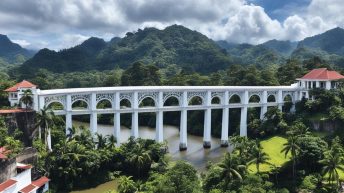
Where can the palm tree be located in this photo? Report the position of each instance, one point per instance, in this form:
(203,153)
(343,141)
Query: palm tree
(243,145)
(44,120)
(231,168)
(101,141)
(111,142)
(332,163)
(292,147)
(259,157)
(126,185)
(141,158)
(27,100)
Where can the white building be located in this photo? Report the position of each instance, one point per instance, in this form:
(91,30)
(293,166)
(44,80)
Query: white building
(22,182)
(319,78)
(15,92)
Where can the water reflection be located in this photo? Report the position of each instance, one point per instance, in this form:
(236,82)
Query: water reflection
(195,153)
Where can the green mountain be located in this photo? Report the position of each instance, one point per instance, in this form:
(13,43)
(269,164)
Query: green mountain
(174,45)
(12,53)
(252,54)
(331,41)
(282,47)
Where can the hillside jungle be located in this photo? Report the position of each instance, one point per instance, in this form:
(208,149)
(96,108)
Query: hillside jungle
(304,160)
(283,153)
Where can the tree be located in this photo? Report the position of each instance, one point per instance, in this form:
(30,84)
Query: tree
(140,159)
(231,168)
(243,145)
(332,164)
(292,147)
(27,98)
(44,120)
(126,185)
(259,157)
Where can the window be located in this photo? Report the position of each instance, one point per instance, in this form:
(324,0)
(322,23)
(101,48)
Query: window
(322,84)
(333,84)
(309,84)
(314,84)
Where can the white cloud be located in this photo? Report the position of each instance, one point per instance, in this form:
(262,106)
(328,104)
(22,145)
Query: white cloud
(60,23)
(22,43)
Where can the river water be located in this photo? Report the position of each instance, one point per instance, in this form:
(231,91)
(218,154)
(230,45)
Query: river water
(195,153)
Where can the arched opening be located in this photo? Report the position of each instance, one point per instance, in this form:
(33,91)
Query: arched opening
(254,99)
(235,99)
(147,102)
(271,99)
(196,100)
(288,103)
(125,104)
(216,100)
(55,106)
(171,101)
(104,104)
(79,105)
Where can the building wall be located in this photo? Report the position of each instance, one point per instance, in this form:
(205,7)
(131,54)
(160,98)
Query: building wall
(23,179)
(7,169)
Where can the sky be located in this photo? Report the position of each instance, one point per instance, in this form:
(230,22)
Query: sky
(59,24)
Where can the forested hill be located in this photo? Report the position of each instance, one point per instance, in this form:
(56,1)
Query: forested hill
(174,45)
(11,52)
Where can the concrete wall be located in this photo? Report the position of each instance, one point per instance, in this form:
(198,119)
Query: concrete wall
(8,169)
(25,122)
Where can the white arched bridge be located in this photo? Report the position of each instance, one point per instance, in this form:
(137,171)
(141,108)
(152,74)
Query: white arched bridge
(160,99)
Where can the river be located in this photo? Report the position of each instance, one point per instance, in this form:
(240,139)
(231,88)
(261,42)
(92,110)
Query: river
(195,153)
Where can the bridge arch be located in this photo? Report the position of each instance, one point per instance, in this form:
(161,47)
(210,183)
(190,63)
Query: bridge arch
(254,98)
(172,101)
(125,103)
(104,104)
(271,98)
(196,100)
(55,105)
(234,98)
(80,104)
(147,101)
(216,100)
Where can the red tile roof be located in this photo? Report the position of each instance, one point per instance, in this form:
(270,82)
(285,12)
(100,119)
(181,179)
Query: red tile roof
(24,167)
(29,188)
(22,84)
(3,153)
(323,74)
(10,111)
(7,184)
(40,182)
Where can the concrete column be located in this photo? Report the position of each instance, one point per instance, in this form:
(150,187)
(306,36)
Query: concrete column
(280,99)
(328,85)
(93,117)
(41,103)
(68,113)
(264,107)
(225,114)
(207,122)
(117,119)
(183,123)
(135,117)
(49,139)
(159,133)
(243,118)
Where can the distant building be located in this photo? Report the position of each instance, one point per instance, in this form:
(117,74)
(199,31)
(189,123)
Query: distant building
(15,92)
(319,78)
(21,180)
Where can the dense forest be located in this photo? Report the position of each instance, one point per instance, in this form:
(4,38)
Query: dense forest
(179,56)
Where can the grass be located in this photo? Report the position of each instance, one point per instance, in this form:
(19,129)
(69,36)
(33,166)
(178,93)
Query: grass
(272,147)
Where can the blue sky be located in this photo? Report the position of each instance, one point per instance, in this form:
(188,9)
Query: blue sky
(281,9)
(59,24)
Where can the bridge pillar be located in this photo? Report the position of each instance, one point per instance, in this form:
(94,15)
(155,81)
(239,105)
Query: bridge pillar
(68,109)
(183,123)
(117,119)
(225,114)
(159,133)
(207,122)
(93,117)
(280,99)
(264,107)
(135,117)
(243,118)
